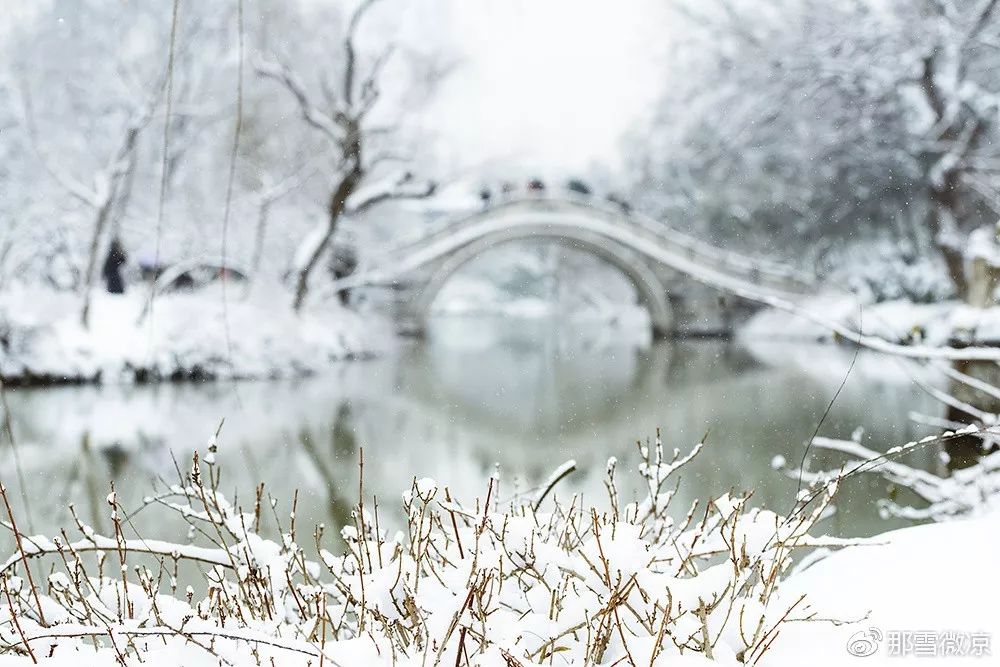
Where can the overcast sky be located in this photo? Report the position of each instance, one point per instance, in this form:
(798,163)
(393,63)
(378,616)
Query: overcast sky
(547,84)
(543,85)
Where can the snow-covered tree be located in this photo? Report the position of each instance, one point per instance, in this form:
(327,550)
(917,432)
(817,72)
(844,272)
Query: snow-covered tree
(91,85)
(813,120)
(338,98)
(959,81)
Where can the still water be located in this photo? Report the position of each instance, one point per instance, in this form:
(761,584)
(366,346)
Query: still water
(476,396)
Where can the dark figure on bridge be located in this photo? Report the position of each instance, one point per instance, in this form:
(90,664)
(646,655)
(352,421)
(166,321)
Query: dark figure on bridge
(485,196)
(507,188)
(536,186)
(578,186)
(620,202)
(112,270)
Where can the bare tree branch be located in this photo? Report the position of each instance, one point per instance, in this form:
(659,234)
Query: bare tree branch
(982,19)
(310,112)
(67,182)
(350,54)
(403,186)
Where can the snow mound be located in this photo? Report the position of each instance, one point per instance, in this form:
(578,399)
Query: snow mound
(910,586)
(183,336)
(948,323)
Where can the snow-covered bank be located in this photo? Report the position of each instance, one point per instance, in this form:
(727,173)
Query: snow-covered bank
(948,323)
(924,592)
(185,336)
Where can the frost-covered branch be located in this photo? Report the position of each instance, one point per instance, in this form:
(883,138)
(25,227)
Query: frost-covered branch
(402,186)
(971,491)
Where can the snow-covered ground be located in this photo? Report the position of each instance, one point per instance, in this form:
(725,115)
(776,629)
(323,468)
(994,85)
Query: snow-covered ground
(922,592)
(187,335)
(898,321)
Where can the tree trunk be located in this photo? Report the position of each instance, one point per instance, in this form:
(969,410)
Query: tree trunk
(982,283)
(943,217)
(258,240)
(100,224)
(120,173)
(335,209)
(955,262)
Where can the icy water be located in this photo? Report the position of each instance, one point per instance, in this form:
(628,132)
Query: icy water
(475,395)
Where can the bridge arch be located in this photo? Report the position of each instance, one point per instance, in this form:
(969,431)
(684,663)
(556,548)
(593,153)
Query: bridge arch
(649,288)
(644,250)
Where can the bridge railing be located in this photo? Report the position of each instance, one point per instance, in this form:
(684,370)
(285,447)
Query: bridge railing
(692,243)
(754,270)
(701,248)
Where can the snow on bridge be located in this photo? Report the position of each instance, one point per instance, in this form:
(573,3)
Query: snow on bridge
(644,250)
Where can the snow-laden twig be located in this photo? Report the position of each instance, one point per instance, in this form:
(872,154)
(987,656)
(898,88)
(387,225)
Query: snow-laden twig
(401,186)
(557,475)
(971,491)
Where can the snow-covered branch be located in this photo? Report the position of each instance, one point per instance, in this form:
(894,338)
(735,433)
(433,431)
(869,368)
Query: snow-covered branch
(402,186)
(972,491)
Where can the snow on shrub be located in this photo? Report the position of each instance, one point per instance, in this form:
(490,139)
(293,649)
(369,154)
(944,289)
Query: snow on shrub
(882,271)
(485,582)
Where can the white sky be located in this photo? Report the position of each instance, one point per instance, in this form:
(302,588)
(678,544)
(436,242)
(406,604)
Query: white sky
(545,86)
(549,85)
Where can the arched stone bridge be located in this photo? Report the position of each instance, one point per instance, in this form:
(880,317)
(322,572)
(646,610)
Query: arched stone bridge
(653,256)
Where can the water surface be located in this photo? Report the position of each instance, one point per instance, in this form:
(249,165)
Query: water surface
(476,396)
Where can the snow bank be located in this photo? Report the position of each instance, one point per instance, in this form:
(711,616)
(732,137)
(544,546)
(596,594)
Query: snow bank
(930,586)
(949,323)
(772,323)
(187,336)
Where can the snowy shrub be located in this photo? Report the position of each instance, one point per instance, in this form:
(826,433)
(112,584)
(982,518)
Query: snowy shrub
(525,582)
(884,272)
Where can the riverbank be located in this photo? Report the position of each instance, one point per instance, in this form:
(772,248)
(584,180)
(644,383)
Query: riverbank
(903,598)
(193,336)
(196,337)
(940,324)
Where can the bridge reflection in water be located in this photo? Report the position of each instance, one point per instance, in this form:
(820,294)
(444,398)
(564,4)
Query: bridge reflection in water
(454,411)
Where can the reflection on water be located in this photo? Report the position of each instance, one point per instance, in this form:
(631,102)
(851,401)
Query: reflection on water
(475,394)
